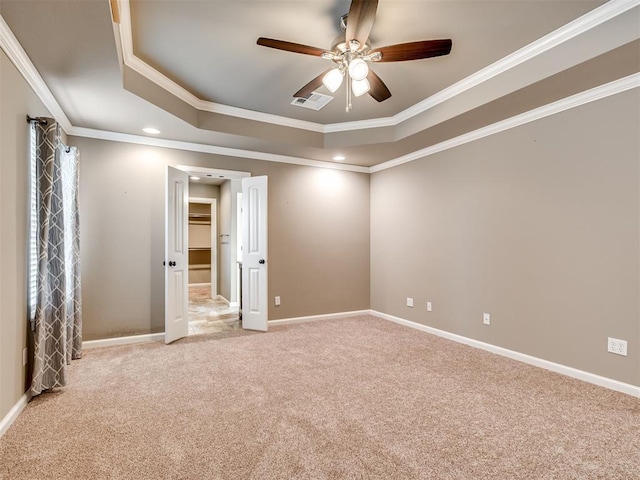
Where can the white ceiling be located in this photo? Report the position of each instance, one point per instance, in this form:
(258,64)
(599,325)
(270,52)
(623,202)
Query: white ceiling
(207,50)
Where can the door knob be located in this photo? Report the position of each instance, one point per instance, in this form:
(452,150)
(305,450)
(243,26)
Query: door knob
(261,261)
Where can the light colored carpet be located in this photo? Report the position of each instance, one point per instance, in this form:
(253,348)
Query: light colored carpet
(341,399)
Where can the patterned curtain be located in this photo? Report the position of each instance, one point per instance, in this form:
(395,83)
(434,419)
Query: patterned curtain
(58,314)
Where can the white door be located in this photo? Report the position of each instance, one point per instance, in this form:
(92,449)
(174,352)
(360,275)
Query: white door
(254,254)
(176,269)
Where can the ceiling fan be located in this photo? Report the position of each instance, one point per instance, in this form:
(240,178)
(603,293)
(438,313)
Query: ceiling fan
(352,54)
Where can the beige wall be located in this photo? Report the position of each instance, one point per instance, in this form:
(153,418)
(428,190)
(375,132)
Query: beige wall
(16,101)
(538,226)
(318,235)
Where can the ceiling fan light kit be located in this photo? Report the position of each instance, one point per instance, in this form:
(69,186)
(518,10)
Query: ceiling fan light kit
(333,79)
(352,54)
(360,87)
(358,69)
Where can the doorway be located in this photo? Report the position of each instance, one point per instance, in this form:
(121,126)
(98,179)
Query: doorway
(240,221)
(214,248)
(208,312)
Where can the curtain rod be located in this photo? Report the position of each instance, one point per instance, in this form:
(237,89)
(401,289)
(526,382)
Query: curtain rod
(36,119)
(40,121)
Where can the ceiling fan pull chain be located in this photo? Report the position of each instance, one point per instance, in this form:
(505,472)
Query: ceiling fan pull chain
(348,85)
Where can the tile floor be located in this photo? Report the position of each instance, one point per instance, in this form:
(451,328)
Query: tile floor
(207,315)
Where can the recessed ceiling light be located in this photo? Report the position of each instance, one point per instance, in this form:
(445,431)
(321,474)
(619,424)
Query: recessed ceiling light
(338,158)
(193,177)
(151,130)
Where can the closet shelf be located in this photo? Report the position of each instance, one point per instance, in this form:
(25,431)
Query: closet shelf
(199,218)
(199,248)
(200,266)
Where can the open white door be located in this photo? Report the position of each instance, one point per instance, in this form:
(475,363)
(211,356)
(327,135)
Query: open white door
(176,269)
(254,254)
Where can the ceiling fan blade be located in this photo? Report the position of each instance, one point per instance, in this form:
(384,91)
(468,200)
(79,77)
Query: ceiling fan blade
(290,46)
(311,86)
(377,89)
(414,50)
(362,14)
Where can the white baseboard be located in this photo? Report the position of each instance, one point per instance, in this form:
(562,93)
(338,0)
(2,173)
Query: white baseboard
(110,342)
(229,304)
(522,357)
(313,318)
(538,362)
(10,417)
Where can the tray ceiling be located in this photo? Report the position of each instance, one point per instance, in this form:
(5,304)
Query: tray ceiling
(193,69)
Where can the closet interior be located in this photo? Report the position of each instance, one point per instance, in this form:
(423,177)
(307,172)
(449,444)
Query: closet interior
(200,244)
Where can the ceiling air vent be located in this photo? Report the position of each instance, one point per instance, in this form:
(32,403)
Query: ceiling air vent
(314,101)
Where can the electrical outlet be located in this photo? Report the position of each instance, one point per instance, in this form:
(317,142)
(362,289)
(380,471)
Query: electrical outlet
(409,302)
(429,308)
(486,319)
(25,356)
(276,300)
(619,347)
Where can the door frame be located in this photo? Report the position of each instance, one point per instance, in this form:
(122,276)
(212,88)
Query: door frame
(214,172)
(213,205)
(222,175)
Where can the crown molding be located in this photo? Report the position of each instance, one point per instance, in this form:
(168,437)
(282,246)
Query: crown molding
(212,149)
(146,70)
(19,58)
(572,29)
(16,54)
(22,62)
(360,125)
(597,93)
(580,25)
(618,86)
